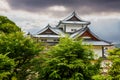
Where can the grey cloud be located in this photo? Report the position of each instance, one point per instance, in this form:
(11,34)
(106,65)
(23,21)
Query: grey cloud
(82,6)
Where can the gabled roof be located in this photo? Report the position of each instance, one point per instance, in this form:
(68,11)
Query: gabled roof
(90,34)
(49,31)
(87,32)
(48,28)
(81,32)
(74,18)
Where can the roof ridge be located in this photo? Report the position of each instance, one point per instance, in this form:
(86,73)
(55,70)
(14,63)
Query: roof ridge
(45,28)
(72,15)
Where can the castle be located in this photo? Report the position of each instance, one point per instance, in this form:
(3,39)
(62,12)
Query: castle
(75,27)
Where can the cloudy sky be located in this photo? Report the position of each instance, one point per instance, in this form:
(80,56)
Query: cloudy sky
(32,15)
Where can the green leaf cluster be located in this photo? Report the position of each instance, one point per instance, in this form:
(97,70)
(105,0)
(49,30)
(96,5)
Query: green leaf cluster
(69,60)
(6,66)
(19,48)
(114,71)
(7,26)
(113,67)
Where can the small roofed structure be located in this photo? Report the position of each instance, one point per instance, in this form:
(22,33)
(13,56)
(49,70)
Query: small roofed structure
(49,35)
(72,23)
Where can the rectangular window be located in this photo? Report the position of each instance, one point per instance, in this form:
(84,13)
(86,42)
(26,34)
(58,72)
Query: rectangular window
(43,40)
(87,38)
(73,30)
(56,40)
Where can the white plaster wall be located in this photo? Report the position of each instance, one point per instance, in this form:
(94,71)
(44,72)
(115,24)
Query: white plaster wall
(98,51)
(49,39)
(72,26)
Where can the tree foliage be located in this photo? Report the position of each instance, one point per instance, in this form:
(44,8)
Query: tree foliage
(18,47)
(114,71)
(8,26)
(114,67)
(21,49)
(69,60)
(6,66)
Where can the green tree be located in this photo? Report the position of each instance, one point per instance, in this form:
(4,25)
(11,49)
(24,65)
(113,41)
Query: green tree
(22,50)
(8,26)
(6,66)
(114,67)
(69,60)
(18,47)
(114,71)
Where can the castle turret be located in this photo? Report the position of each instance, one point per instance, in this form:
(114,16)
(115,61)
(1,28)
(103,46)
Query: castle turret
(72,23)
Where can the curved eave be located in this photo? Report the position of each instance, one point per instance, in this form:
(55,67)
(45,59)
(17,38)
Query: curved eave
(78,33)
(48,36)
(71,15)
(82,31)
(97,43)
(47,27)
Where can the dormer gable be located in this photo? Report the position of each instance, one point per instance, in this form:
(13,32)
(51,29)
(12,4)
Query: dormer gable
(48,30)
(88,35)
(73,17)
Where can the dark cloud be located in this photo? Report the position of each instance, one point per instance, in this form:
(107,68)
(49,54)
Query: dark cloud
(82,6)
(106,29)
